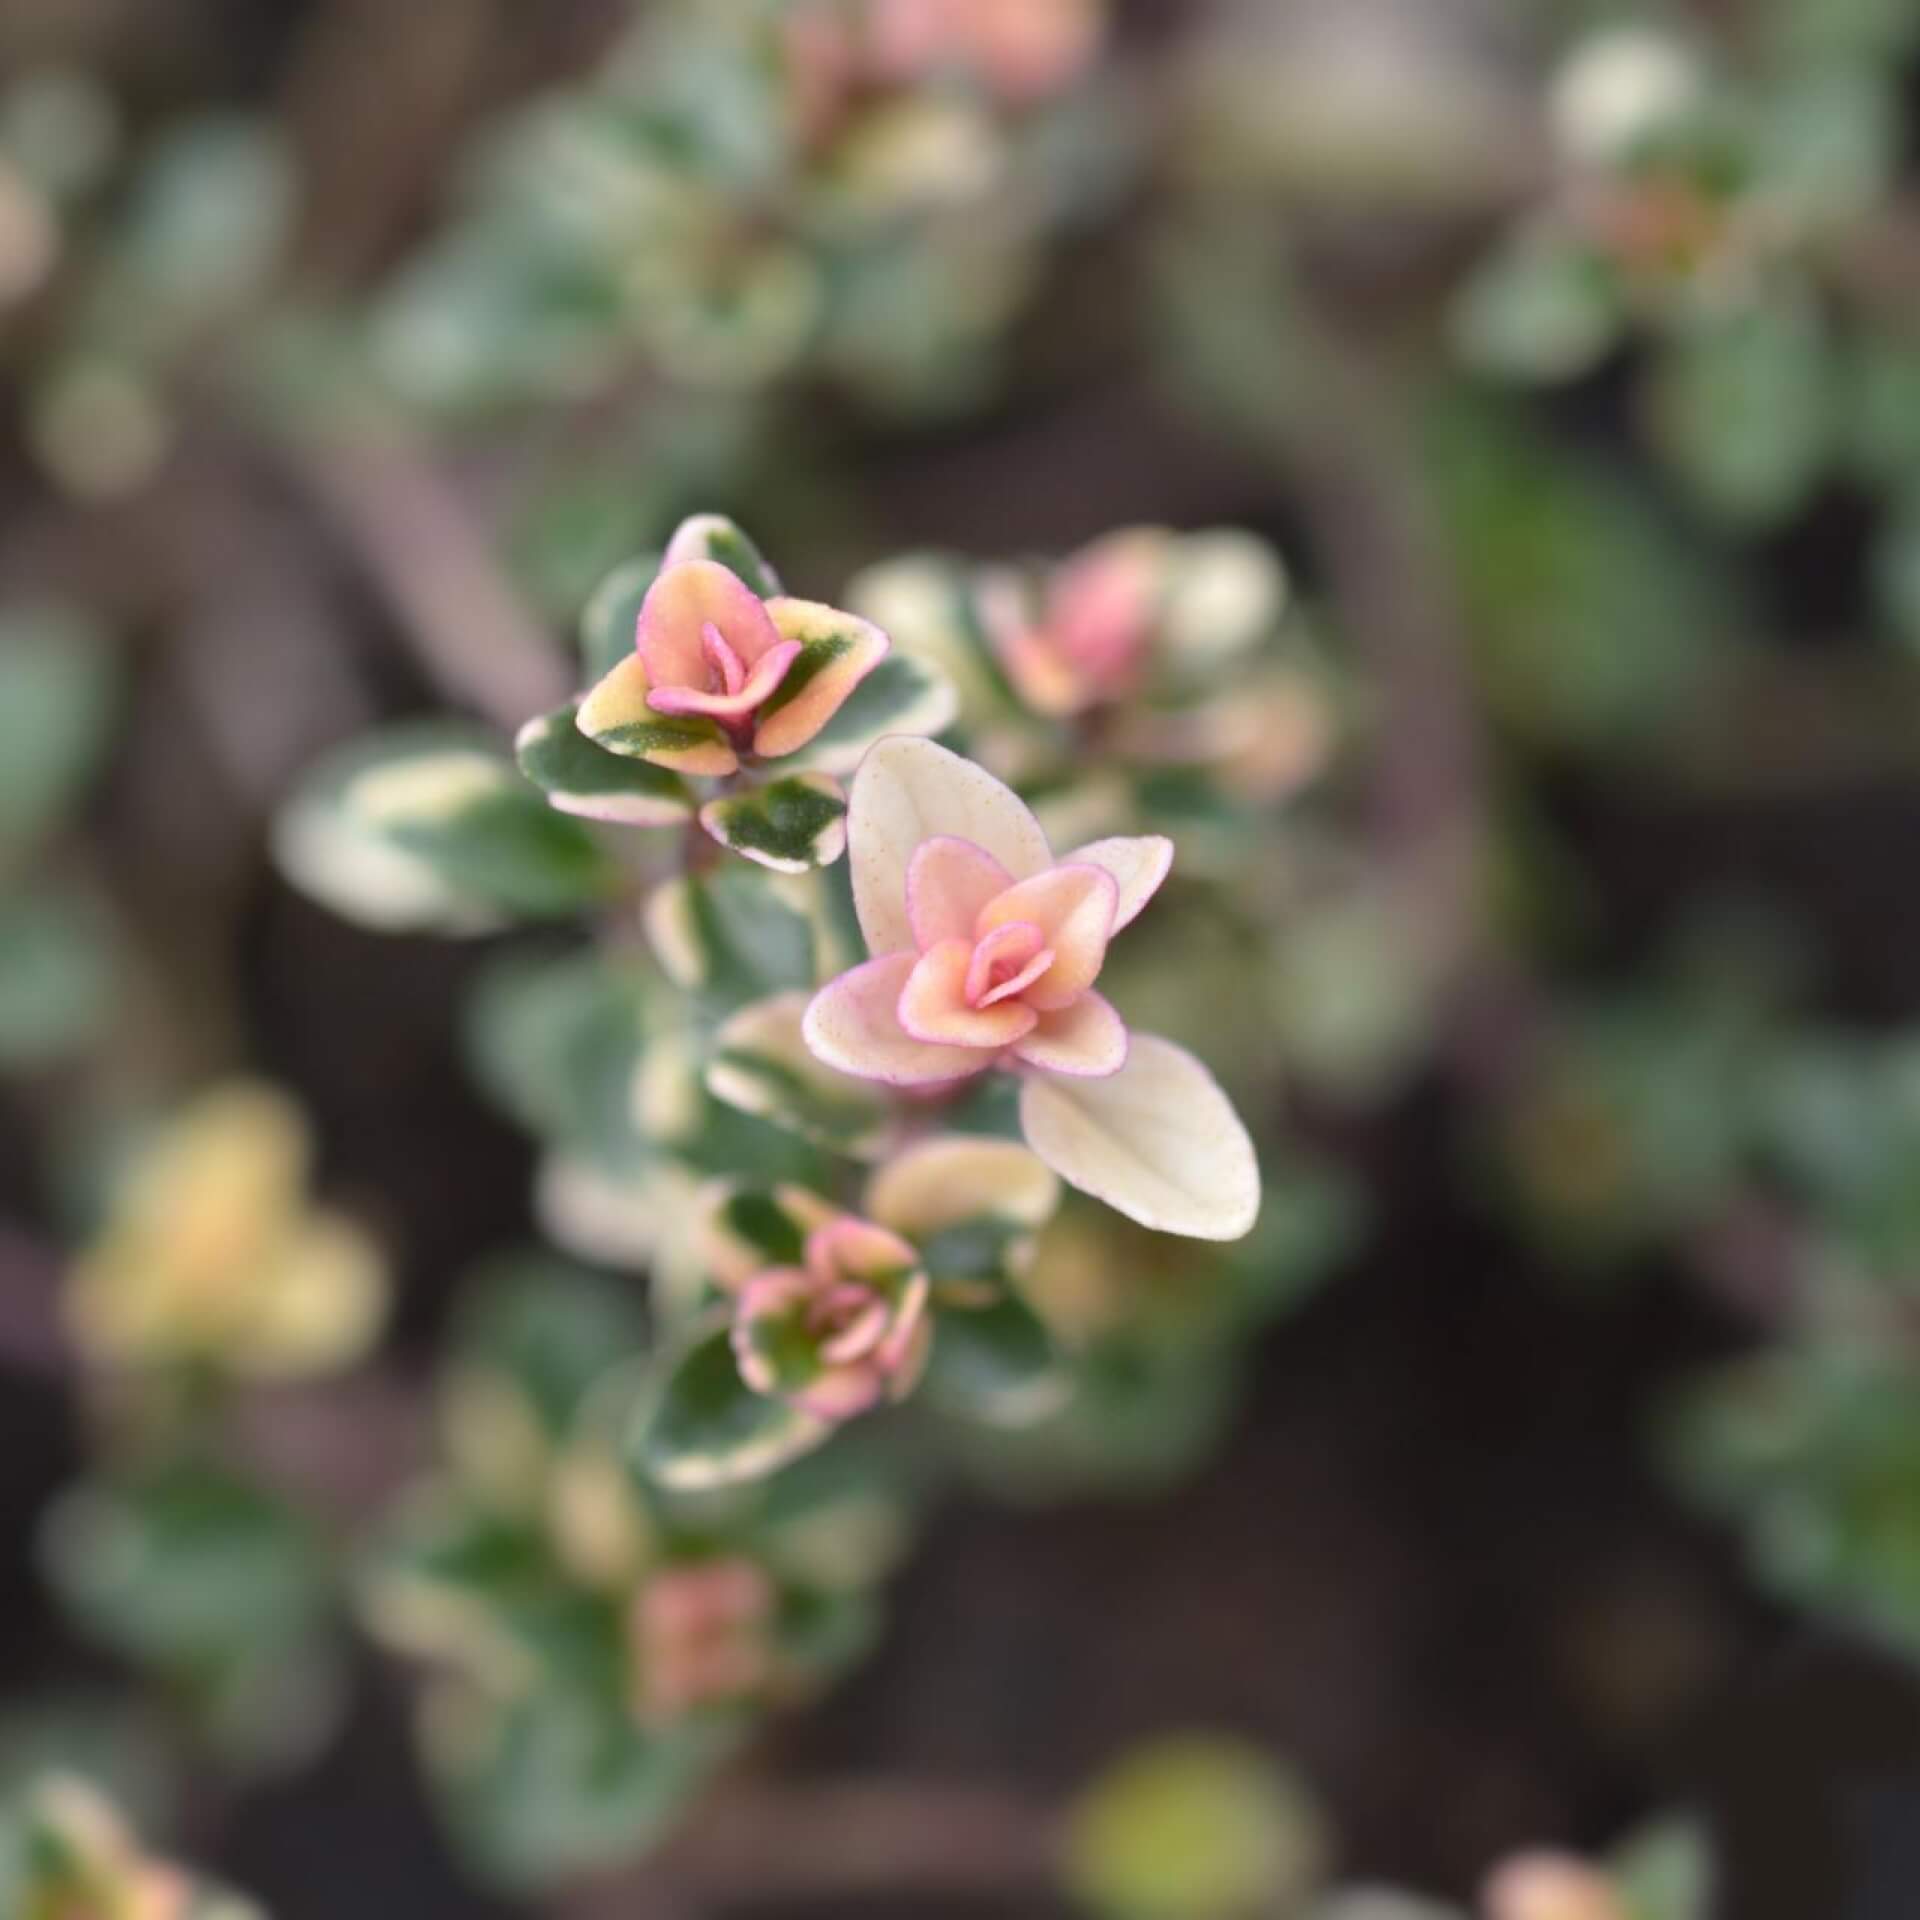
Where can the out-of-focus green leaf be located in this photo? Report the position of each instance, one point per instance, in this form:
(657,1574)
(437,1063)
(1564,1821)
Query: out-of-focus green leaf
(552,1328)
(1593,621)
(212,208)
(1543,307)
(728,939)
(761,1064)
(1664,1871)
(1195,1827)
(184,1565)
(1896,567)
(56,697)
(555,1783)
(608,624)
(488,836)
(221,1589)
(1744,405)
(996,1363)
(57,978)
(555,1039)
(1828,138)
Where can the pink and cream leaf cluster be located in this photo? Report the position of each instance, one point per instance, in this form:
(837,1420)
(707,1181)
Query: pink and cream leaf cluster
(719,675)
(834,1312)
(985,950)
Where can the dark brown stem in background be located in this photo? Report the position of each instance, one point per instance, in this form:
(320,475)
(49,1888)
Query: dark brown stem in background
(835,1840)
(31,1341)
(471,632)
(1346,447)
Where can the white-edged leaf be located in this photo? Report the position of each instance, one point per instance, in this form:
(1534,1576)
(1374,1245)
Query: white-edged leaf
(712,536)
(707,1428)
(790,825)
(761,1064)
(579,777)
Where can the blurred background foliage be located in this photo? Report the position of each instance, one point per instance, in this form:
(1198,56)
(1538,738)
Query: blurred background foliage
(1540,744)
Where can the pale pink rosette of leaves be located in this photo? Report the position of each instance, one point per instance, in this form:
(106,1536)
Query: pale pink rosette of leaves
(701,1635)
(1085,637)
(849,1328)
(1138,612)
(719,675)
(1023,53)
(985,953)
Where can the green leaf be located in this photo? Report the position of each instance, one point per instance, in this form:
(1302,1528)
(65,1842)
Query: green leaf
(328,848)
(221,1588)
(556,1783)
(1828,137)
(1592,618)
(212,207)
(708,1428)
(762,1065)
(712,536)
(788,825)
(1664,1871)
(1744,406)
(901,695)
(756,1217)
(997,1364)
(579,777)
(612,614)
(1896,569)
(483,832)
(1541,308)
(57,978)
(1198,1826)
(555,1040)
(453,1581)
(1883,410)
(973,1250)
(552,1328)
(56,698)
(726,937)
(184,1566)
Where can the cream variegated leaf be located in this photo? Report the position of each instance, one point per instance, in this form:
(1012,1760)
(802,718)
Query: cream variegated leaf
(1158,1141)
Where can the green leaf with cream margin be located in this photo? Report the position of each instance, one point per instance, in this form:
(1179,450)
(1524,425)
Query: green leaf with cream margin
(582,778)
(790,825)
(1158,1141)
(707,1428)
(333,851)
(467,813)
(728,937)
(762,1065)
(997,1363)
(712,536)
(615,717)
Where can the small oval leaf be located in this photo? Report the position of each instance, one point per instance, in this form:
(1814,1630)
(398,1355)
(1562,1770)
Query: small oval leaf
(708,1428)
(580,777)
(1157,1141)
(791,825)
